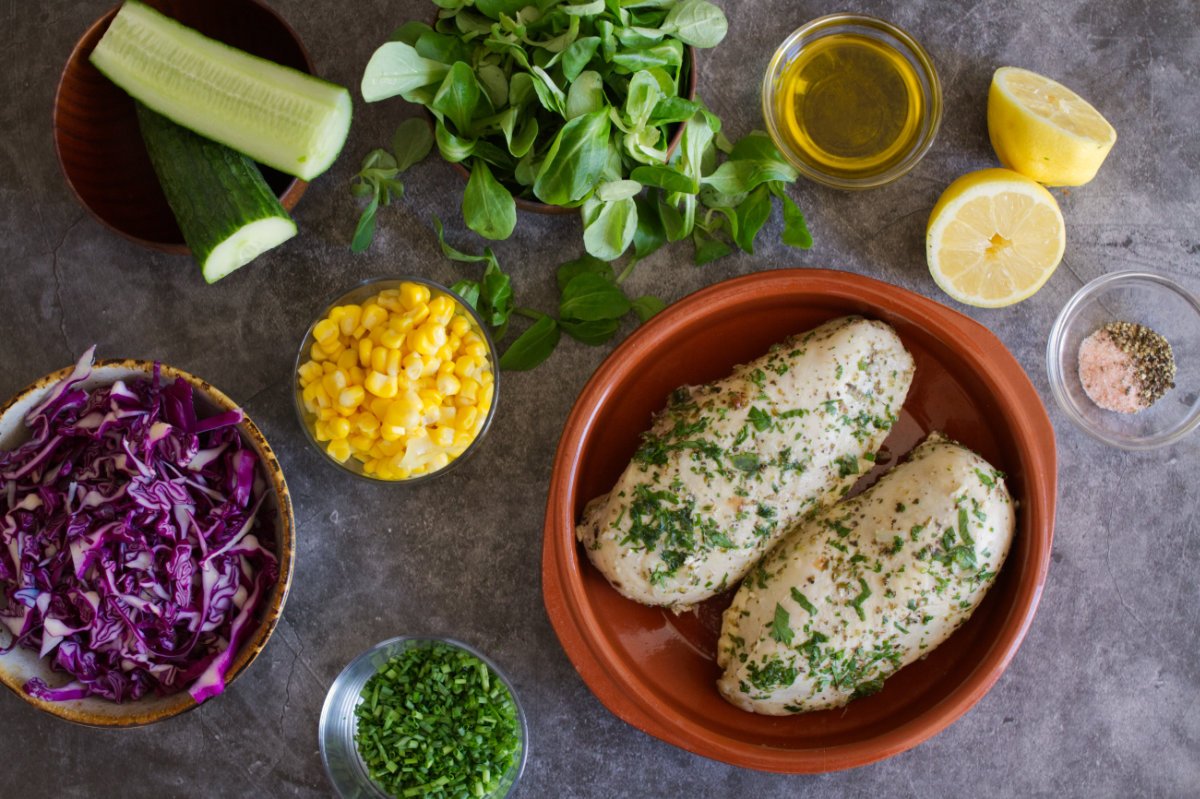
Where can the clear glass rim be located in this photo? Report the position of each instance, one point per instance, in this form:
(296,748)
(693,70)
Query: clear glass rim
(834,23)
(306,342)
(1055,354)
(327,709)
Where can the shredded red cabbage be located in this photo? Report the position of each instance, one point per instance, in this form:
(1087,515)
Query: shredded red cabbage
(132,548)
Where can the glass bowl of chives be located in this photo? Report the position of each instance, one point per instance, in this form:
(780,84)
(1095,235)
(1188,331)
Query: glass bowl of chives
(423,716)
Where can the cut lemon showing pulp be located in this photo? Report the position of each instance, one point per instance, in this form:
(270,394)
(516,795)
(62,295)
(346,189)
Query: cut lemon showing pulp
(1044,130)
(994,238)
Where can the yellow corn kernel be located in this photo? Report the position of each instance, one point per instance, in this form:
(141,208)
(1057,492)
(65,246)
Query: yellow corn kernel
(378,406)
(441,310)
(325,414)
(371,466)
(328,367)
(445,352)
(351,397)
(395,412)
(409,401)
(438,460)
(447,415)
(316,353)
(321,396)
(390,299)
(338,428)
(413,366)
(476,347)
(360,443)
(432,364)
(359,331)
(442,436)
(365,345)
(448,385)
(466,419)
(453,341)
(469,388)
(465,365)
(413,294)
(384,471)
(391,339)
(486,378)
(485,395)
(430,399)
(373,316)
(309,372)
(367,423)
(376,450)
(390,448)
(339,450)
(391,432)
(351,316)
(326,330)
(401,323)
(334,382)
(447,368)
(459,326)
(347,359)
(321,431)
(393,362)
(357,375)
(416,315)
(463,438)
(379,357)
(421,341)
(380,385)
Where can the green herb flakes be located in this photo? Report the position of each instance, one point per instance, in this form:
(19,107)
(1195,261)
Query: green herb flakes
(437,722)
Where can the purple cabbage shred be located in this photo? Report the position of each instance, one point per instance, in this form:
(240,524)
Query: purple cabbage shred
(134,549)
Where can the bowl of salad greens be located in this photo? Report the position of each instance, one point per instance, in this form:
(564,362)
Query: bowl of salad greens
(423,716)
(587,106)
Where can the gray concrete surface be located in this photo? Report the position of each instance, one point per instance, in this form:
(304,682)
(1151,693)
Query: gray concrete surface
(1100,701)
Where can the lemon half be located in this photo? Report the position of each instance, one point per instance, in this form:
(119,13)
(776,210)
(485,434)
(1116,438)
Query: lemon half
(994,238)
(1044,130)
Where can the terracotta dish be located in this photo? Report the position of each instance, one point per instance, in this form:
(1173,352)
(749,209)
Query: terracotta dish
(96,131)
(20,665)
(656,670)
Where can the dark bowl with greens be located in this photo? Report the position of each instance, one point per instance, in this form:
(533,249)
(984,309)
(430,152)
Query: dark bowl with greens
(393,723)
(586,105)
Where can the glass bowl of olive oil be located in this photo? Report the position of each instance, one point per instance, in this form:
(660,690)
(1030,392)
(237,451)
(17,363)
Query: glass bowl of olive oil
(852,101)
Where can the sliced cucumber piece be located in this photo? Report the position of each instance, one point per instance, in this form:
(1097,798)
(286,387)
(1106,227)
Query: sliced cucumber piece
(276,115)
(227,212)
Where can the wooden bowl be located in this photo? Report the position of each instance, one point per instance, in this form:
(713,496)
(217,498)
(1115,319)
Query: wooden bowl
(657,670)
(19,665)
(96,131)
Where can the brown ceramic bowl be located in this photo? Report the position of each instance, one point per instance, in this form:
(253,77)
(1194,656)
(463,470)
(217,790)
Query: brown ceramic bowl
(537,207)
(20,665)
(96,131)
(656,670)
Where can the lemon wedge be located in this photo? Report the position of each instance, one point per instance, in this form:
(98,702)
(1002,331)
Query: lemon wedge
(1044,130)
(994,238)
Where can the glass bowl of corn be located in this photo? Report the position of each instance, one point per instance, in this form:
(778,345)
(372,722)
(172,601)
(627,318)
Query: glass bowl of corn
(396,380)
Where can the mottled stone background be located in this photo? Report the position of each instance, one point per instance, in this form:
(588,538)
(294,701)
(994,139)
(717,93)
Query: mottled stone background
(1101,700)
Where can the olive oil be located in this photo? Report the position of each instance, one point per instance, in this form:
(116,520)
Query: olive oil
(850,106)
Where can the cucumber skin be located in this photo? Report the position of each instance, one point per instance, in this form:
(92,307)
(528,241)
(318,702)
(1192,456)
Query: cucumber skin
(212,190)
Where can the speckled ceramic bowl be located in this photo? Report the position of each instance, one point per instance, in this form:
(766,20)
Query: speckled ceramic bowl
(658,670)
(20,665)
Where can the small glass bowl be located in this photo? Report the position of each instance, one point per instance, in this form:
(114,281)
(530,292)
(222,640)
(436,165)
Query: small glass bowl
(355,296)
(1150,300)
(885,34)
(338,723)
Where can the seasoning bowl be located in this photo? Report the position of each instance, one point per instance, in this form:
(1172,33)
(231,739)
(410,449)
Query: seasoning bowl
(339,724)
(1144,298)
(355,296)
(19,665)
(879,33)
(96,133)
(657,670)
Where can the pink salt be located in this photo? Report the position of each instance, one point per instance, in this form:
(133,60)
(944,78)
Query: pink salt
(1109,375)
